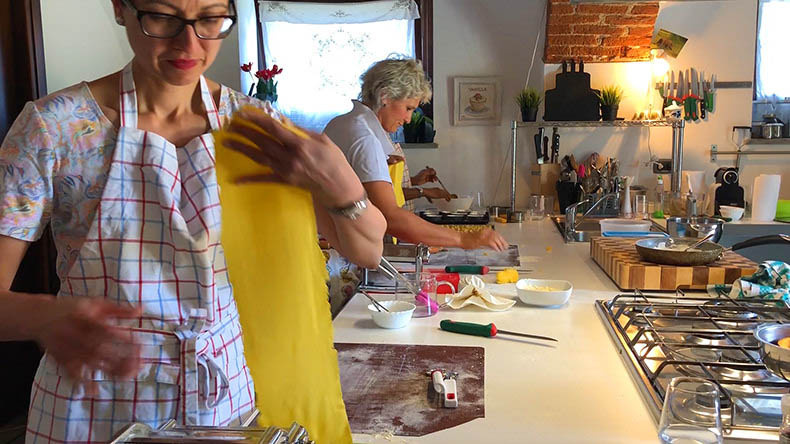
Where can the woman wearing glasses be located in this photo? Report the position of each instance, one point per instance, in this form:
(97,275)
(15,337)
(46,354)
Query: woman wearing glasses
(123,170)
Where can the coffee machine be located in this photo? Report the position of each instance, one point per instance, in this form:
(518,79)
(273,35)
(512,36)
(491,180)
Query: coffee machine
(727,190)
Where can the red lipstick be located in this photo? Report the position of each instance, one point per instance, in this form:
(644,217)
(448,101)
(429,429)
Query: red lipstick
(183,64)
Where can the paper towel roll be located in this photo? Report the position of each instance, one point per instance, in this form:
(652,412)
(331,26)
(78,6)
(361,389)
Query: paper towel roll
(697,179)
(764,196)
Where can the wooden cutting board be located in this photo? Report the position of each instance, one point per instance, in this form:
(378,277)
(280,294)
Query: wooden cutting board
(386,390)
(619,259)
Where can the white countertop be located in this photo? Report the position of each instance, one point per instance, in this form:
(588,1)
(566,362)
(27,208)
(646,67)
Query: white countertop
(576,391)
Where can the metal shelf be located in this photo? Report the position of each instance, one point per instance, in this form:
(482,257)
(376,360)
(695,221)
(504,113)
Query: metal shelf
(782,141)
(599,123)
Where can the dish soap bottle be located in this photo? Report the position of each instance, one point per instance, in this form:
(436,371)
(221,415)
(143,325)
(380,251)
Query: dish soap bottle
(784,430)
(658,205)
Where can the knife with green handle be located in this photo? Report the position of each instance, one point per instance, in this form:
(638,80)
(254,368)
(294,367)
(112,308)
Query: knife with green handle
(467,269)
(485,330)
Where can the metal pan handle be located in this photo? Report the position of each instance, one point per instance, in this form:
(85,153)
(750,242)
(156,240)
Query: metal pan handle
(762,240)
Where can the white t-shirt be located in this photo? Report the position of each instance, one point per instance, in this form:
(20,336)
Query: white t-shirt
(364,142)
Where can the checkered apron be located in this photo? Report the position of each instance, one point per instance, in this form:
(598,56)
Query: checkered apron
(154,243)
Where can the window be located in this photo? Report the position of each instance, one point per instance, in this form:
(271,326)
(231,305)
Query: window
(325,48)
(772,69)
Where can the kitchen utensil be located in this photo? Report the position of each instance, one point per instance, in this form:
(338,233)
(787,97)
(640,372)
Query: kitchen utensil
(710,102)
(765,196)
(376,303)
(467,269)
(545,149)
(703,88)
(656,251)
(691,412)
(544,292)
(695,244)
(390,271)
(427,300)
(441,184)
(776,358)
(555,145)
(695,227)
(538,150)
(694,96)
(487,330)
(398,314)
(733,213)
(620,225)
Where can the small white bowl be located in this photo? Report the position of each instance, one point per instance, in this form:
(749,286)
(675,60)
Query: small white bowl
(398,316)
(457,204)
(734,213)
(529,292)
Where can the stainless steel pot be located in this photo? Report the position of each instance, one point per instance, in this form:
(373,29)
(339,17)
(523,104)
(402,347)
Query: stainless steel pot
(776,358)
(695,227)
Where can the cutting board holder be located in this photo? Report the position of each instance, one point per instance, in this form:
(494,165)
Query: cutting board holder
(618,258)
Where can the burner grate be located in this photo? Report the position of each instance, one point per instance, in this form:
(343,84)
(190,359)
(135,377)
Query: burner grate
(712,338)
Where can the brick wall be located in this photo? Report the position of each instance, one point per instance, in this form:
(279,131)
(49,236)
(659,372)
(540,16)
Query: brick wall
(614,32)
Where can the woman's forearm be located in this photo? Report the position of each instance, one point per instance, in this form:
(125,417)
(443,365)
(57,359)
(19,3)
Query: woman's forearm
(22,316)
(358,240)
(412,193)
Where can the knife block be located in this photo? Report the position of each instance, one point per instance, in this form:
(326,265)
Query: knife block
(543,180)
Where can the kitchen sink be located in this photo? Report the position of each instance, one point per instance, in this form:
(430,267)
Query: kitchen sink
(587,229)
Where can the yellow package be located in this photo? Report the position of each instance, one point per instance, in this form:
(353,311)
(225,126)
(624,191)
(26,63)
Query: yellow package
(269,234)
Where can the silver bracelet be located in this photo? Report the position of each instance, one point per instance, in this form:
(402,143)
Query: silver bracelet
(354,210)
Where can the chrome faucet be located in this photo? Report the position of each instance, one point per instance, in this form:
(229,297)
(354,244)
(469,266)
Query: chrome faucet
(571,222)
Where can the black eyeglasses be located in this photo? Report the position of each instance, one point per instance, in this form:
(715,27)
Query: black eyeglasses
(167,26)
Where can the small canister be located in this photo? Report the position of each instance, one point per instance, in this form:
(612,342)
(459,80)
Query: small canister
(772,127)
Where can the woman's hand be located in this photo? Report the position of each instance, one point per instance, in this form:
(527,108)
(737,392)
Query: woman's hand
(79,335)
(436,193)
(485,238)
(425,175)
(314,162)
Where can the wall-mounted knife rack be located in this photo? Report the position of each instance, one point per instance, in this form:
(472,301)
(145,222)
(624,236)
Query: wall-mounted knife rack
(737,84)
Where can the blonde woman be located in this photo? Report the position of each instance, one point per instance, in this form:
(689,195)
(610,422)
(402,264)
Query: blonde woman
(391,90)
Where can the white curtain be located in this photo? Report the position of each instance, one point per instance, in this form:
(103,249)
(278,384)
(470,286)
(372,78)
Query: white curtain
(324,48)
(338,13)
(773,66)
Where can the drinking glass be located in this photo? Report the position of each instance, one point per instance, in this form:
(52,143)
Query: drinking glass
(428,303)
(691,413)
(478,204)
(640,206)
(539,205)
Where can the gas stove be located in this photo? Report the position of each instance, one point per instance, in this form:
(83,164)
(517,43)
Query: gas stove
(661,337)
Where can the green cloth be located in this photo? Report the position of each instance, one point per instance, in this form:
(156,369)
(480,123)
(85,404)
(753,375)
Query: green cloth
(771,281)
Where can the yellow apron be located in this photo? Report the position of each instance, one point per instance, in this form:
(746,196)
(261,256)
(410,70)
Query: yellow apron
(396,175)
(279,282)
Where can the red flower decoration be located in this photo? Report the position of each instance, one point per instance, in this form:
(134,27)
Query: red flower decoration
(262,74)
(276,71)
(247,67)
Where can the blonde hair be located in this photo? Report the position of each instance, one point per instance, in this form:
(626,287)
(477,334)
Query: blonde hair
(395,79)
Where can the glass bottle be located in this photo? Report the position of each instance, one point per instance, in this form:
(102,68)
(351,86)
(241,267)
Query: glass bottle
(658,203)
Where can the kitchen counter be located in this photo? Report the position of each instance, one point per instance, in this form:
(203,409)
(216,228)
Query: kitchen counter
(576,391)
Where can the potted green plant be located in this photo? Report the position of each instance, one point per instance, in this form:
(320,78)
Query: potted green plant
(419,129)
(528,101)
(610,97)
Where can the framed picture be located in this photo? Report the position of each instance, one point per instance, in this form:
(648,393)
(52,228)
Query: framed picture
(477,101)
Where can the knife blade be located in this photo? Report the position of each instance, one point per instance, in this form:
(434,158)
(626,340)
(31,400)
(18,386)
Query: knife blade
(545,149)
(703,113)
(539,144)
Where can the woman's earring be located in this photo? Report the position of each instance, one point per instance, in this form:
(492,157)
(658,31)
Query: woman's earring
(119,20)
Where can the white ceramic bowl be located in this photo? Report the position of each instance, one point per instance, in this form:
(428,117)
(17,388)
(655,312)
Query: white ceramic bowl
(459,203)
(734,213)
(530,292)
(398,316)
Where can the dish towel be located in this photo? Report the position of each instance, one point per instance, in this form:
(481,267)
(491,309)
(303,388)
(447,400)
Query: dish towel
(771,281)
(475,293)
(279,283)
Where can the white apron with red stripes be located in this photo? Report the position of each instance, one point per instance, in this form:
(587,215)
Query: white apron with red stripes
(154,243)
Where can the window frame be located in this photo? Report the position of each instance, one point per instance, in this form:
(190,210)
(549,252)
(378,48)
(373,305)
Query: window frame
(423,38)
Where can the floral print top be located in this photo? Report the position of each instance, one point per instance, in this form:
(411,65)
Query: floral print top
(54,163)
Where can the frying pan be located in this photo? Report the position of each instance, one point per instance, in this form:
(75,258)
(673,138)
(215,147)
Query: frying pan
(776,358)
(651,250)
